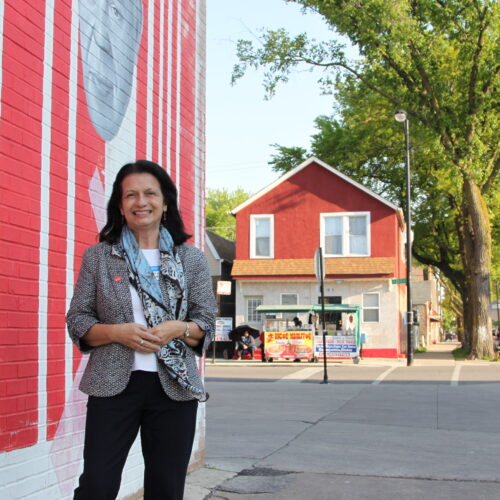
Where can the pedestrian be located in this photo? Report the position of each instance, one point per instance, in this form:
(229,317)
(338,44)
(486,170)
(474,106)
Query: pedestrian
(245,345)
(142,307)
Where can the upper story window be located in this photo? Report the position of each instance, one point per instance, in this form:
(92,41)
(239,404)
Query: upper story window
(345,234)
(261,236)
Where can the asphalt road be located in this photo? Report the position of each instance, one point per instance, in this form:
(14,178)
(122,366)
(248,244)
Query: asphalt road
(377,430)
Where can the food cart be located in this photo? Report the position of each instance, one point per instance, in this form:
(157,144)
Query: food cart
(283,340)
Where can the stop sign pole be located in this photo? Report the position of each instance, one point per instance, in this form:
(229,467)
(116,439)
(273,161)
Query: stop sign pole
(319,270)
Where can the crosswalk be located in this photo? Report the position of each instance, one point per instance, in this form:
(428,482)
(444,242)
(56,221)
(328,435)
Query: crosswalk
(452,375)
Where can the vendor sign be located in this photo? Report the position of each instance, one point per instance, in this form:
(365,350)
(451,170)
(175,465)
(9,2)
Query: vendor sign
(289,345)
(336,346)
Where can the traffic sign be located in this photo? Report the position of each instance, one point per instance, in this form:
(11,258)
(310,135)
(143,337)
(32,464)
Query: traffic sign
(319,265)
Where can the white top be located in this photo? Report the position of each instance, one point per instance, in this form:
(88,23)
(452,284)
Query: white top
(145,362)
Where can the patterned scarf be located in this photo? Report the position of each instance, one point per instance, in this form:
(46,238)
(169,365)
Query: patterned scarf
(142,278)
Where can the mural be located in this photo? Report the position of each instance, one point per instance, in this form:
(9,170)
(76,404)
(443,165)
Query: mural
(110,33)
(85,86)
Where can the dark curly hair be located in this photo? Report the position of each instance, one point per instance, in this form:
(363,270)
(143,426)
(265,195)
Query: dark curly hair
(173,221)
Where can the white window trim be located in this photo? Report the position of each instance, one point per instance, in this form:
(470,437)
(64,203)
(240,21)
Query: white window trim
(289,293)
(370,308)
(253,218)
(345,235)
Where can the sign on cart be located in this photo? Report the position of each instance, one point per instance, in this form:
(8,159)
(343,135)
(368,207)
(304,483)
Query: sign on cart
(336,346)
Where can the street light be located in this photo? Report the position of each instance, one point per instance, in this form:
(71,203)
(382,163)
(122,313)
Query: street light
(402,117)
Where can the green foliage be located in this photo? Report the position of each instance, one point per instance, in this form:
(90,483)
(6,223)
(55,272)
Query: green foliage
(219,203)
(460,353)
(448,319)
(287,158)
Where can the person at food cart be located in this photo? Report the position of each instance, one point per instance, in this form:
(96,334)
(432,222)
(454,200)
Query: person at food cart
(297,322)
(245,343)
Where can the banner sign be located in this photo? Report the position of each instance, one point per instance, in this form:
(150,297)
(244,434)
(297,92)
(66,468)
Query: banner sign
(222,328)
(336,346)
(289,345)
(223,287)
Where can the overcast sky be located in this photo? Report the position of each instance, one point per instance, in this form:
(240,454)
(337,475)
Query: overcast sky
(241,125)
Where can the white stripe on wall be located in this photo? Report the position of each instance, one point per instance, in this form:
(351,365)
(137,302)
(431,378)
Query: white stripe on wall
(178,102)
(161,84)
(199,89)
(168,119)
(44,219)
(149,89)
(2,9)
(70,196)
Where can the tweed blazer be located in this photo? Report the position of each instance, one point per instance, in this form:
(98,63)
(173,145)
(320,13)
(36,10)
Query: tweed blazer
(102,295)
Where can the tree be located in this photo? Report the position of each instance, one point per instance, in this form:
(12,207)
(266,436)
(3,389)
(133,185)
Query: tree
(286,157)
(437,60)
(219,202)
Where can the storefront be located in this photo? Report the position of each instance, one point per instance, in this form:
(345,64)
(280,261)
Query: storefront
(289,339)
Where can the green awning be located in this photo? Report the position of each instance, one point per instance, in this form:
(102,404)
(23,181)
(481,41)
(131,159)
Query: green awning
(275,309)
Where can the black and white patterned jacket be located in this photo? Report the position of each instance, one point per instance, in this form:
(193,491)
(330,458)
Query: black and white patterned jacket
(102,295)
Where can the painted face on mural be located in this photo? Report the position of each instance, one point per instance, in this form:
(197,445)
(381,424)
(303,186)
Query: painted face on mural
(110,33)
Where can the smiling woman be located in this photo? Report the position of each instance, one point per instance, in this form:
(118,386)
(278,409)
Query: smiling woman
(142,307)
(143,207)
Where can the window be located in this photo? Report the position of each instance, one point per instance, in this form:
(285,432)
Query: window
(252,315)
(289,299)
(261,236)
(371,306)
(345,234)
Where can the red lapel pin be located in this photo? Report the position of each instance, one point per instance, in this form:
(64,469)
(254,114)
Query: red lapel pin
(118,279)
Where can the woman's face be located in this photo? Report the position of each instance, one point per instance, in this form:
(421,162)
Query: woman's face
(142,203)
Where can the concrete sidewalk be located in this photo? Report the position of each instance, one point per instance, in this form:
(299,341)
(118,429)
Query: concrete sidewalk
(425,432)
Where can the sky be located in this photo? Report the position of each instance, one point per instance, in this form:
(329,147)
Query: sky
(241,124)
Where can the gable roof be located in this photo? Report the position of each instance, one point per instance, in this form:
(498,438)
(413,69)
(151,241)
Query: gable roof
(297,169)
(221,247)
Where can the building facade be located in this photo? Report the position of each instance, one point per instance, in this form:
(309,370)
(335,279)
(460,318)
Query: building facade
(85,87)
(362,238)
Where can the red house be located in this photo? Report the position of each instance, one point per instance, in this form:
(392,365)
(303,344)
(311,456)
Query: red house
(362,237)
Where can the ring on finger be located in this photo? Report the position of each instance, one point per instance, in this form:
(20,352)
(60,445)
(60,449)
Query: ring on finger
(141,342)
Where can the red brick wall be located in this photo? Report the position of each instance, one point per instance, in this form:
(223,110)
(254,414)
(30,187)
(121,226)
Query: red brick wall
(56,171)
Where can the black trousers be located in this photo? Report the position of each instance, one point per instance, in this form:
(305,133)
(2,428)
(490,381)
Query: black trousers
(167,432)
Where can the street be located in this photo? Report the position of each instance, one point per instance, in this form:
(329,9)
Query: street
(377,430)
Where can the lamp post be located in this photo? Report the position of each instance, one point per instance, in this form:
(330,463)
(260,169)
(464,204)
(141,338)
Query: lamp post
(402,117)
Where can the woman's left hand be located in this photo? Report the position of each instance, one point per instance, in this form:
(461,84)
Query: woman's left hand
(168,330)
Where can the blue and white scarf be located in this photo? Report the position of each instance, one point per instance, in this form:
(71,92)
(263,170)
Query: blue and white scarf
(142,278)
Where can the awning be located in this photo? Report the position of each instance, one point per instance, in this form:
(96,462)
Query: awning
(274,309)
(434,316)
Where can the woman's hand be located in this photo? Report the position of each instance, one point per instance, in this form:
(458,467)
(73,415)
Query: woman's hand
(168,330)
(137,337)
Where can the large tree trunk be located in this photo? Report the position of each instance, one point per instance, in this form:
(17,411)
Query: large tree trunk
(477,235)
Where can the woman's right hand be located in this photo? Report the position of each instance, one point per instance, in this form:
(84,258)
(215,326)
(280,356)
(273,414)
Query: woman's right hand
(135,336)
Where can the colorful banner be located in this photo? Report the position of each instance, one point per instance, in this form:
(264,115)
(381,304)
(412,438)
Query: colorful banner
(222,328)
(289,345)
(336,346)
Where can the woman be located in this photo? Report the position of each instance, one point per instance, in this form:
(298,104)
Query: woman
(143,305)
